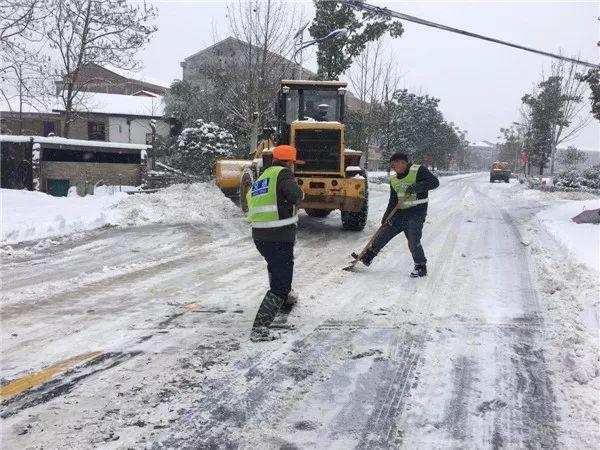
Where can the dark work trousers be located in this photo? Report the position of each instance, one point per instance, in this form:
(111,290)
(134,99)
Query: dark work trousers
(280,264)
(412,228)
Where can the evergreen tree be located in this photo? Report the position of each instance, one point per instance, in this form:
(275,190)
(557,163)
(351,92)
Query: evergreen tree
(418,128)
(593,80)
(335,57)
(185,103)
(545,111)
(199,147)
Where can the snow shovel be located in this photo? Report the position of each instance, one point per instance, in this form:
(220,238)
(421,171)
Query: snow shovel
(358,256)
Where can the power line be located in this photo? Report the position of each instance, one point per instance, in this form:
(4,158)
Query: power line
(358,4)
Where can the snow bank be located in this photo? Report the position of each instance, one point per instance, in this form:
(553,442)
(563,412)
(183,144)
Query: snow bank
(197,203)
(112,190)
(29,215)
(582,240)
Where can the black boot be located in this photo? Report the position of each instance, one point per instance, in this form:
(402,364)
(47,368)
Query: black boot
(420,270)
(291,300)
(268,310)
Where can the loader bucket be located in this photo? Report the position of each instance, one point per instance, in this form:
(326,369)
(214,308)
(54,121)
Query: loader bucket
(229,174)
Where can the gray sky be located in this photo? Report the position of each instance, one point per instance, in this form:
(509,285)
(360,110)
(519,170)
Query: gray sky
(480,84)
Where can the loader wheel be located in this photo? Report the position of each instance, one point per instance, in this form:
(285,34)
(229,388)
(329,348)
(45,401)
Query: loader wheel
(312,212)
(245,186)
(356,221)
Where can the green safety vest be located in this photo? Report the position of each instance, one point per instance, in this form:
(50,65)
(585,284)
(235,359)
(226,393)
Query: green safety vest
(262,201)
(400,184)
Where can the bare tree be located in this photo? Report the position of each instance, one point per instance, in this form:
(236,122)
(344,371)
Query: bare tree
(94,31)
(373,79)
(571,157)
(391,83)
(572,90)
(17,17)
(267,28)
(24,83)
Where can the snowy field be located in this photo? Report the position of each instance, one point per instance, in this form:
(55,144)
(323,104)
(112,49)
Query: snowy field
(137,336)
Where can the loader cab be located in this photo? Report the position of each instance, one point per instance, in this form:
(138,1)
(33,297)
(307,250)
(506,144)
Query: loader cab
(308,101)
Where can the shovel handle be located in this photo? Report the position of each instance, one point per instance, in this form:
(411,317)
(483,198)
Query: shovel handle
(380,229)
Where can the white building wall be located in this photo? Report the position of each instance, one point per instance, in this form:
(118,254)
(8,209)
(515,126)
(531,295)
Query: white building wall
(133,131)
(118,130)
(141,127)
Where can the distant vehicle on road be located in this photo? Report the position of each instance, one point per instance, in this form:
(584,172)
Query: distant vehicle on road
(500,171)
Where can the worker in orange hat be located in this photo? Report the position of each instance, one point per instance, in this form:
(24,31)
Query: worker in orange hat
(273,213)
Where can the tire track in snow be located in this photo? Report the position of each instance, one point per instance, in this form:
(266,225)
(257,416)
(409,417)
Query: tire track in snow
(382,429)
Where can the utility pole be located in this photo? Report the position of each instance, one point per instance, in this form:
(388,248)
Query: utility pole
(153,150)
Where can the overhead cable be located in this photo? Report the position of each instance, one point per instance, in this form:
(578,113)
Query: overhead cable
(358,4)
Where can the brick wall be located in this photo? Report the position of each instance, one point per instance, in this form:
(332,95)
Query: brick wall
(78,173)
(230,54)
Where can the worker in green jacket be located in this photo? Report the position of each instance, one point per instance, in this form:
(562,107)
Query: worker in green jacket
(273,213)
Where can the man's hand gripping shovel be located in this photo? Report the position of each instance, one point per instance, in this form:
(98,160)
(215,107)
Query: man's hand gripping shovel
(358,256)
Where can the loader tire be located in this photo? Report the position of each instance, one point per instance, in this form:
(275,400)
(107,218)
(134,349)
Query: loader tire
(356,221)
(313,212)
(245,186)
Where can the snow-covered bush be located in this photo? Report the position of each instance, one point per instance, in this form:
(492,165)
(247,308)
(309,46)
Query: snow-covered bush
(588,179)
(198,148)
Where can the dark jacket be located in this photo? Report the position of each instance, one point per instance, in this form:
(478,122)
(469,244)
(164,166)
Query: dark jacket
(426,181)
(289,195)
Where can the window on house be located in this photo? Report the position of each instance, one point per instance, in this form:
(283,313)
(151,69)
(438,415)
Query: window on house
(96,131)
(49,127)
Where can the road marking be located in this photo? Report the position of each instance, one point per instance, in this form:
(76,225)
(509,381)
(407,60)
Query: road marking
(191,307)
(29,381)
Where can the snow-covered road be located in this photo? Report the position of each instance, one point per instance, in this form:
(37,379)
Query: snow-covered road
(139,337)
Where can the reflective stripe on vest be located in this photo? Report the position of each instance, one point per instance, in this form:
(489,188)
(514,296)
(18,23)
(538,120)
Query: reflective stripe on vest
(401,184)
(262,201)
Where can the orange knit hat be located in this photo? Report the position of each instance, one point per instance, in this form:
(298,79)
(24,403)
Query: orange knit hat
(286,153)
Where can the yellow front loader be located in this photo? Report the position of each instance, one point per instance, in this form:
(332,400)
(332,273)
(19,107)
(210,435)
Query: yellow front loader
(310,117)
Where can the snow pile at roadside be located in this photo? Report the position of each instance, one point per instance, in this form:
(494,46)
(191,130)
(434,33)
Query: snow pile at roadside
(29,215)
(570,299)
(112,190)
(197,203)
(582,240)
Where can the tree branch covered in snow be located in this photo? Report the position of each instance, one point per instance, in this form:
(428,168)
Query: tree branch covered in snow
(199,147)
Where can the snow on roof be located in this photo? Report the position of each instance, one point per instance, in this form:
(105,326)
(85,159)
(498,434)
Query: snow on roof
(99,103)
(320,122)
(77,142)
(130,105)
(44,106)
(138,76)
(14,138)
(481,144)
(146,93)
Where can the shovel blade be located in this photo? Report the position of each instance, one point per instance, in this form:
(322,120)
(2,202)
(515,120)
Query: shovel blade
(350,267)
